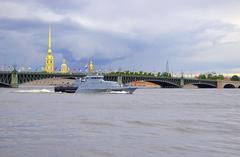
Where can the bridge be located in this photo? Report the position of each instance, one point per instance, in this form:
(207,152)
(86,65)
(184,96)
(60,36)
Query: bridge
(174,82)
(14,78)
(163,81)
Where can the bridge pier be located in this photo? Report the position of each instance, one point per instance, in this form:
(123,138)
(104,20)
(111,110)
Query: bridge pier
(14,79)
(182,83)
(120,79)
(223,84)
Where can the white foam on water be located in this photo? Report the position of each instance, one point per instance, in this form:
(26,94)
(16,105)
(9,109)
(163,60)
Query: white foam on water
(35,91)
(118,92)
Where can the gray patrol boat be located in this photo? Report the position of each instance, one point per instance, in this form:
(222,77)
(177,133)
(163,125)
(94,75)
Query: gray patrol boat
(95,84)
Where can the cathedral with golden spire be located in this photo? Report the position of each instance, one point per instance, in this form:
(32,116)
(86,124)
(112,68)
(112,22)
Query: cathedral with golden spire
(49,61)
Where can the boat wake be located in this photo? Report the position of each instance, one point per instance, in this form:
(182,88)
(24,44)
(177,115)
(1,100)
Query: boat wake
(119,92)
(35,91)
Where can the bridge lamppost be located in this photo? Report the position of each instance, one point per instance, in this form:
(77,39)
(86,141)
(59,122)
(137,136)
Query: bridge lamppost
(182,74)
(182,80)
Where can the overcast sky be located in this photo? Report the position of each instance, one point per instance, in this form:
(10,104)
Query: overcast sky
(193,35)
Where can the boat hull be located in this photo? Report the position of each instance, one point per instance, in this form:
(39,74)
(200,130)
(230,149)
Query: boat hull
(65,89)
(128,90)
(71,89)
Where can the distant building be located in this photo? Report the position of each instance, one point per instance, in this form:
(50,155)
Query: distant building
(64,67)
(49,61)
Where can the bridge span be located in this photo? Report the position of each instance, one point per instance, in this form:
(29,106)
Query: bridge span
(162,81)
(14,78)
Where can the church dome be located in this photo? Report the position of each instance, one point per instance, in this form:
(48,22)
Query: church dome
(64,67)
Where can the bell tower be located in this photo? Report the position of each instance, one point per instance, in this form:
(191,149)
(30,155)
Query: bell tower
(49,61)
(90,67)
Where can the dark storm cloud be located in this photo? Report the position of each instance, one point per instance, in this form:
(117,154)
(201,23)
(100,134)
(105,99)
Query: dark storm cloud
(138,34)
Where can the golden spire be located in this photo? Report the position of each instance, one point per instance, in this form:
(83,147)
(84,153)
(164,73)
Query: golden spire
(49,61)
(49,40)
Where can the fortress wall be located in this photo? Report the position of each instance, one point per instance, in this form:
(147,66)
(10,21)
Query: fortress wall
(49,82)
(144,84)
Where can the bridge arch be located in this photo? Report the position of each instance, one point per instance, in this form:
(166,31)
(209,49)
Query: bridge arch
(161,83)
(164,84)
(228,86)
(203,85)
(4,85)
(142,83)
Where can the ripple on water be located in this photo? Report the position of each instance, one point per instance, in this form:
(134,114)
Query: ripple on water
(157,122)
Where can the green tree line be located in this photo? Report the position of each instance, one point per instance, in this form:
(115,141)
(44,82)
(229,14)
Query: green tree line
(141,73)
(213,76)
